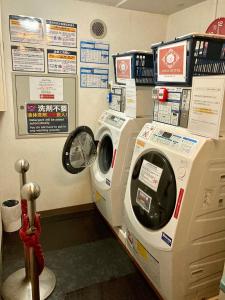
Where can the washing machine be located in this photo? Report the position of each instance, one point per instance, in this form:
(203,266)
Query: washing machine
(175,211)
(116,135)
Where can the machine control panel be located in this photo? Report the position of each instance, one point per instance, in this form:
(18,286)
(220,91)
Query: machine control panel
(114,120)
(178,142)
(117,98)
(174,110)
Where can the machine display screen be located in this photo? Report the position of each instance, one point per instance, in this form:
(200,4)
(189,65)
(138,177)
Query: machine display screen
(167,135)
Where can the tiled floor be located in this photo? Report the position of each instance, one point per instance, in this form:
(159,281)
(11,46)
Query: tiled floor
(82,251)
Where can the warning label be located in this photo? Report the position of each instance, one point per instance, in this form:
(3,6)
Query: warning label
(47,118)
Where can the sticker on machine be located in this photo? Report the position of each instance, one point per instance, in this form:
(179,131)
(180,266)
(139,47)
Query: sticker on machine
(146,131)
(150,175)
(167,239)
(143,200)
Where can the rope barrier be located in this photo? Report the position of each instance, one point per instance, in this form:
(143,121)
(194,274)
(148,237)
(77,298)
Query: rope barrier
(32,239)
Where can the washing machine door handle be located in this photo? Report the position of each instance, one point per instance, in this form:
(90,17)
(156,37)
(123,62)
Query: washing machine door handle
(80,150)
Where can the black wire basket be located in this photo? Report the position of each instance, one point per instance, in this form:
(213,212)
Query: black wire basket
(205,55)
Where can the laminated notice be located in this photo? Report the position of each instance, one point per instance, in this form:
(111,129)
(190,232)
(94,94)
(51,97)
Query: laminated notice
(25,29)
(62,61)
(61,33)
(150,175)
(28,59)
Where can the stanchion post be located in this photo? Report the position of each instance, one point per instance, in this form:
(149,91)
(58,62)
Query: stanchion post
(22,166)
(31,192)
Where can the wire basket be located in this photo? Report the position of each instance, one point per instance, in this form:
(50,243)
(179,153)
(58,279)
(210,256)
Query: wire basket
(134,65)
(177,61)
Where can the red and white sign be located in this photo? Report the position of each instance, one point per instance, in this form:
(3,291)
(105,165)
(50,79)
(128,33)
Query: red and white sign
(123,68)
(172,62)
(46,88)
(217,27)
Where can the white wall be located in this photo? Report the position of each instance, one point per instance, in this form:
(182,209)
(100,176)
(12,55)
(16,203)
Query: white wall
(126,30)
(194,19)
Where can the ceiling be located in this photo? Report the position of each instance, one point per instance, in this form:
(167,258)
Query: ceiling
(154,6)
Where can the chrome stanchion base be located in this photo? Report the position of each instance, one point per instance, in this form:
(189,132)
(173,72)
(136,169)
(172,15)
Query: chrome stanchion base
(16,287)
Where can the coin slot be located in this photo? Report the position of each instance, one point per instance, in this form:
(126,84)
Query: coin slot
(222,178)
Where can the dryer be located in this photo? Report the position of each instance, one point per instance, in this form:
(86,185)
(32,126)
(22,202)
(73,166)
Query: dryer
(175,211)
(116,135)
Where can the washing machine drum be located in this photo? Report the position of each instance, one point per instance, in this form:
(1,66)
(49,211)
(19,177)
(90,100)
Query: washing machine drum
(153,190)
(105,153)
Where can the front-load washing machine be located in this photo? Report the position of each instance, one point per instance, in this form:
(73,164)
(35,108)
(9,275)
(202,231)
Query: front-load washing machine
(175,211)
(116,135)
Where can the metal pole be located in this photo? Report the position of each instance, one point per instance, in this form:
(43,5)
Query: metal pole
(25,284)
(31,192)
(22,166)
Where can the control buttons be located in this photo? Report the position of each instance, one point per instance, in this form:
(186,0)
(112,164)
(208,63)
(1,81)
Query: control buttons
(162,94)
(181,172)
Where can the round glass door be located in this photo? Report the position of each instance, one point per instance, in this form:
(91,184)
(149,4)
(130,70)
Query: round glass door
(105,153)
(80,150)
(153,190)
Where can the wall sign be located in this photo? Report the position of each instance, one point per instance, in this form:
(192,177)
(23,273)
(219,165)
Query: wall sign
(25,29)
(46,88)
(47,118)
(123,68)
(94,52)
(172,62)
(94,78)
(61,33)
(217,27)
(61,61)
(27,59)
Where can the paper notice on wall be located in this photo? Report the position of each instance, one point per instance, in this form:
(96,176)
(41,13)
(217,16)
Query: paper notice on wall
(61,34)
(131,98)
(94,52)
(61,61)
(94,78)
(150,175)
(207,102)
(46,89)
(47,118)
(123,69)
(25,29)
(28,59)
(171,64)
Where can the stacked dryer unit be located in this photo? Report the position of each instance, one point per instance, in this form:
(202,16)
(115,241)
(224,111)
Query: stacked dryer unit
(175,195)
(117,132)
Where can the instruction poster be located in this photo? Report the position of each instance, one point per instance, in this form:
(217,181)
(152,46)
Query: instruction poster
(172,62)
(27,59)
(47,118)
(61,61)
(46,88)
(61,34)
(94,78)
(25,29)
(94,52)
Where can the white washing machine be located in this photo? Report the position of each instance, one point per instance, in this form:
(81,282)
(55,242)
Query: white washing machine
(175,211)
(116,135)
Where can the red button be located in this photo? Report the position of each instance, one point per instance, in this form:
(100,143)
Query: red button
(162,94)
